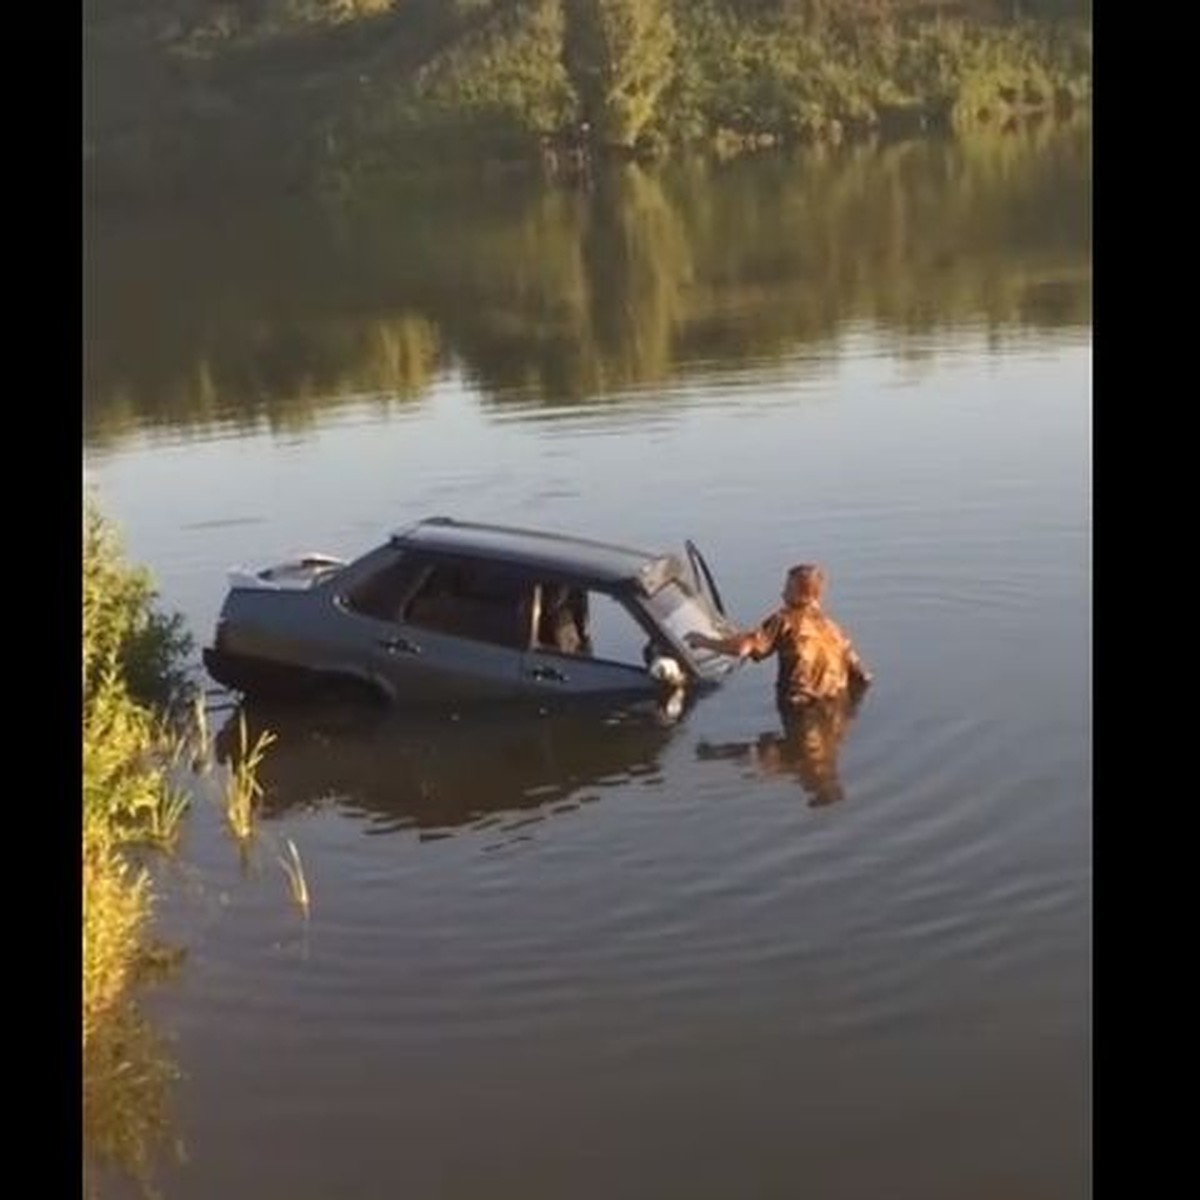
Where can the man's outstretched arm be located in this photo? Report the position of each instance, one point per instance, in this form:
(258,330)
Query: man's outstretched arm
(738,645)
(755,643)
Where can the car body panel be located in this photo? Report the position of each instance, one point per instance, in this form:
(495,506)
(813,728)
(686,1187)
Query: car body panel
(550,674)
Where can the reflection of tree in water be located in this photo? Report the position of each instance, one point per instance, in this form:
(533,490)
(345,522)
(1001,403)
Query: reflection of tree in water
(806,748)
(639,264)
(560,295)
(280,374)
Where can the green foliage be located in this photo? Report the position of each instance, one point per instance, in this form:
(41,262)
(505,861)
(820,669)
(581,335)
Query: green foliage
(215,26)
(131,671)
(125,788)
(506,73)
(303,90)
(124,637)
(814,72)
(621,58)
(126,794)
(334,12)
(243,790)
(131,659)
(116,907)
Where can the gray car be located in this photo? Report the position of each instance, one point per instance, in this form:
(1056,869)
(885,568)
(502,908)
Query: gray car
(451,611)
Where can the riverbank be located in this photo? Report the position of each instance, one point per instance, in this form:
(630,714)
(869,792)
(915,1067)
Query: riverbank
(284,93)
(142,768)
(130,663)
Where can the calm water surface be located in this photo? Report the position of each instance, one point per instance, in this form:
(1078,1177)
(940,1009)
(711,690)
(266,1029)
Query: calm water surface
(592,958)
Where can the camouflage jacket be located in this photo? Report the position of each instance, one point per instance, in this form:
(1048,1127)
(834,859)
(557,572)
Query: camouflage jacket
(816,658)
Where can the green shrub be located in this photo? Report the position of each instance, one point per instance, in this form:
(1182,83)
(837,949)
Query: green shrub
(123,635)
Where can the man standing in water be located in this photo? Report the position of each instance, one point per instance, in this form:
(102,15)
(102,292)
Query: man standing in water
(817,661)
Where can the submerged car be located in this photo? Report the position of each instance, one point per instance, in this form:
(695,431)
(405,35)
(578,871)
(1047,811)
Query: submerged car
(452,611)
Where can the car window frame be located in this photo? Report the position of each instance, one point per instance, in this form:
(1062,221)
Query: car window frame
(624,594)
(365,572)
(428,562)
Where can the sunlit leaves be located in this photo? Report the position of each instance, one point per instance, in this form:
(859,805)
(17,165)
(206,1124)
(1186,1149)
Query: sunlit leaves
(621,56)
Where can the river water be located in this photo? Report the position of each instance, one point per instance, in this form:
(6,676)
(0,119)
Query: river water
(593,959)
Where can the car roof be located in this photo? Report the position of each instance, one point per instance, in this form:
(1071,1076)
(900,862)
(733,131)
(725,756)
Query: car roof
(557,553)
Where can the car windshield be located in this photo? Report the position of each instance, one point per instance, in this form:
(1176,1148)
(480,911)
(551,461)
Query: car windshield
(680,612)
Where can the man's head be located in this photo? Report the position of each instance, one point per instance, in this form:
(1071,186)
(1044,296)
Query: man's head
(804,584)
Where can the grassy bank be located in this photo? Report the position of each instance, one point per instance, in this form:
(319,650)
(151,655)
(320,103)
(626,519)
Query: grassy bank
(144,729)
(793,76)
(131,657)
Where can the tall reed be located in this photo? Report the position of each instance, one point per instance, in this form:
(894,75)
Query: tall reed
(294,869)
(242,789)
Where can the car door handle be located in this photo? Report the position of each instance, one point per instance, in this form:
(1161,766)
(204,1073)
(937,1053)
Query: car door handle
(399,645)
(548,674)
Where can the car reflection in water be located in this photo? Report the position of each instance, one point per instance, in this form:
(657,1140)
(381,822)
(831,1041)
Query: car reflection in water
(806,748)
(441,773)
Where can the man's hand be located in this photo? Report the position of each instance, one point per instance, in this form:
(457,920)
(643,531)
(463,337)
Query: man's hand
(736,647)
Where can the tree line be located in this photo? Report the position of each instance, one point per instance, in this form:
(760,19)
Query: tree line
(293,87)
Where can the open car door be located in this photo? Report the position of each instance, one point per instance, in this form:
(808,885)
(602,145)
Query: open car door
(706,585)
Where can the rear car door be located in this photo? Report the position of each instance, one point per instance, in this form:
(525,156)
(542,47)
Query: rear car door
(455,630)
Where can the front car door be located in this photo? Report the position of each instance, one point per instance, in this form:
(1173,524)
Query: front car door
(612,659)
(706,585)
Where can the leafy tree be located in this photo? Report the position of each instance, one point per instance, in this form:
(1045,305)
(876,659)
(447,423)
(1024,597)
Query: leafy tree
(506,73)
(620,56)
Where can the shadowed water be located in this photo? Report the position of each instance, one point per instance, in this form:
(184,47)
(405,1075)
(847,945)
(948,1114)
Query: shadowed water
(598,955)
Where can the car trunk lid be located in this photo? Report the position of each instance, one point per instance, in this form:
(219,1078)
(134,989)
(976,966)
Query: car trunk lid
(295,574)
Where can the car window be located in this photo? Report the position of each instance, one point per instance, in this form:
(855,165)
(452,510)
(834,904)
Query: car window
(383,593)
(561,620)
(607,630)
(680,612)
(474,600)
